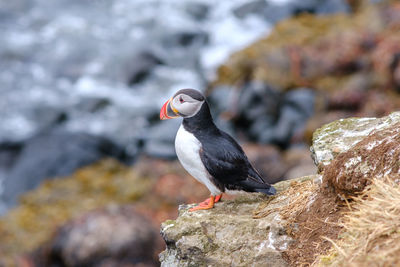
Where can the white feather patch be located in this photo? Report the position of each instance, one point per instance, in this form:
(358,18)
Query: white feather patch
(187,149)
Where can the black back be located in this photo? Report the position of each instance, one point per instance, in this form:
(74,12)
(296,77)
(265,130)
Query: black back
(222,156)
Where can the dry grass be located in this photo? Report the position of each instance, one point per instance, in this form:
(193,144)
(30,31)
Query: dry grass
(371,235)
(299,195)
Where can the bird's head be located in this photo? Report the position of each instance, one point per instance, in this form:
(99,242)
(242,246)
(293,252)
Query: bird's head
(185,103)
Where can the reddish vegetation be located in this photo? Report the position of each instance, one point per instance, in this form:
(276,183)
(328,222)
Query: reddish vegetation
(309,227)
(310,216)
(349,173)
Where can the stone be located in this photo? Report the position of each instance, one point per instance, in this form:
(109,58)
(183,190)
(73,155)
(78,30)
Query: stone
(295,109)
(320,7)
(54,153)
(159,140)
(341,135)
(112,236)
(198,11)
(299,162)
(221,100)
(263,113)
(140,66)
(375,156)
(93,104)
(252,7)
(224,236)
(267,160)
(185,39)
(257,99)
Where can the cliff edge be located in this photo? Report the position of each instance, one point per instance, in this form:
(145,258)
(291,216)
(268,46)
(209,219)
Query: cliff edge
(298,224)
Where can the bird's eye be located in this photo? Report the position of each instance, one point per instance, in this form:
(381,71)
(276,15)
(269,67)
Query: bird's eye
(181,100)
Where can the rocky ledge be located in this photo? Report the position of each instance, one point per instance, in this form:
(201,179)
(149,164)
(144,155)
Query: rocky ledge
(227,235)
(294,226)
(231,234)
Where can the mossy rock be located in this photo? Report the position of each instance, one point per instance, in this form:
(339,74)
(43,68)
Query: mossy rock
(321,52)
(42,210)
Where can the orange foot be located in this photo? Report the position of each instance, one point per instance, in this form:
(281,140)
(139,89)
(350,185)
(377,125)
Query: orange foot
(208,203)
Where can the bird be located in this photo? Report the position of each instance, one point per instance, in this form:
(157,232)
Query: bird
(209,154)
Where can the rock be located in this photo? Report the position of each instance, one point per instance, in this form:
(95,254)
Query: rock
(395,71)
(8,155)
(339,136)
(268,161)
(112,236)
(185,39)
(263,113)
(274,12)
(299,162)
(221,100)
(296,108)
(353,72)
(155,188)
(351,100)
(375,156)
(257,99)
(320,7)
(253,7)
(93,104)
(9,152)
(55,153)
(301,99)
(224,236)
(197,10)
(140,66)
(228,235)
(159,140)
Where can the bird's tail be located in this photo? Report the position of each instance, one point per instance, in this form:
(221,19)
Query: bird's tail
(268,191)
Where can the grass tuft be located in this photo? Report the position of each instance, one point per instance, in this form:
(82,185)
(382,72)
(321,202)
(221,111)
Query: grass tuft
(371,235)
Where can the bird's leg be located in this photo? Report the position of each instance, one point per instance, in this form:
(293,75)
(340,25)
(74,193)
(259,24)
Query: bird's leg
(207,204)
(207,201)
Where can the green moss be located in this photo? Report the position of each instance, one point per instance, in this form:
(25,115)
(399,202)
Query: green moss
(169,222)
(327,259)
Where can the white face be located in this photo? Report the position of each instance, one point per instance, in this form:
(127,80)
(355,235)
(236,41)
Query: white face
(186,105)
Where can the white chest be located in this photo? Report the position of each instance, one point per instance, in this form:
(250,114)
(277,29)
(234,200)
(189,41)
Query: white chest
(187,149)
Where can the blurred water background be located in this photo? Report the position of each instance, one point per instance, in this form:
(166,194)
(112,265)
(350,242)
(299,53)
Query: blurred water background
(105,67)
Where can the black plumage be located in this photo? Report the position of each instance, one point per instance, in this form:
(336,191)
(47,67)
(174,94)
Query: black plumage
(222,156)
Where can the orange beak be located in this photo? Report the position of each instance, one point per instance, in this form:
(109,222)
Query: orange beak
(167,111)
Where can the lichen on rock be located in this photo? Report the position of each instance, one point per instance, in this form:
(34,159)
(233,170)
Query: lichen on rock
(227,235)
(246,231)
(339,136)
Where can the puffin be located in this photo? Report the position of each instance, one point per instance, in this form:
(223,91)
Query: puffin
(209,154)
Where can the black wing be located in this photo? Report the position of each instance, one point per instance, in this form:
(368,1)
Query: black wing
(225,160)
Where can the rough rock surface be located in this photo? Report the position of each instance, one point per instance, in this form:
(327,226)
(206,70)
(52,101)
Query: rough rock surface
(112,236)
(339,136)
(227,235)
(375,156)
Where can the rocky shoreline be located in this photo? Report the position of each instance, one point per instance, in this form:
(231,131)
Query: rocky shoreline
(99,70)
(332,86)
